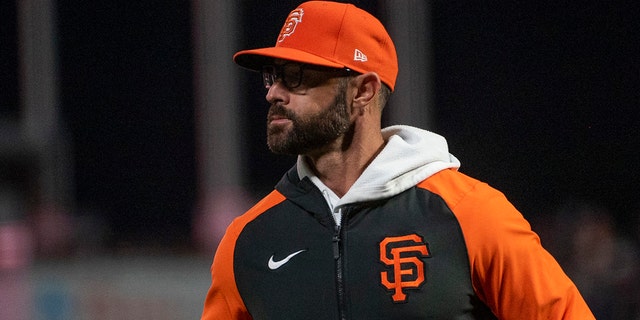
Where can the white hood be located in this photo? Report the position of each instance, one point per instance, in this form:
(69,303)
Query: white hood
(409,156)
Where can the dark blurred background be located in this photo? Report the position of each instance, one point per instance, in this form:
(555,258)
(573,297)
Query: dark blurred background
(537,98)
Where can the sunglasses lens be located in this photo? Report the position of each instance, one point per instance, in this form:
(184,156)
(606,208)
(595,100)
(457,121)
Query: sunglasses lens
(291,75)
(269,76)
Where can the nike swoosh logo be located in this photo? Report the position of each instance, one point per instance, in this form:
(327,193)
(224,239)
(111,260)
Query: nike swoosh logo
(273,265)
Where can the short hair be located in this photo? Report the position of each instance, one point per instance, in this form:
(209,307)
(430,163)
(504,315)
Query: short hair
(383,95)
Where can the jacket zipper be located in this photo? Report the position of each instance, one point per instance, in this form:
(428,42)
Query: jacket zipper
(338,255)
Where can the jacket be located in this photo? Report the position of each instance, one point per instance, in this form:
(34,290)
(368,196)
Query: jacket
(413,238)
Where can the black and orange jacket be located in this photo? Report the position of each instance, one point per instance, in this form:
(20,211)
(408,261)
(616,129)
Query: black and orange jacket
(446,247)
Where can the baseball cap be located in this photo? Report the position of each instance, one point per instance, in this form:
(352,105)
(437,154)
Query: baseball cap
(330,34)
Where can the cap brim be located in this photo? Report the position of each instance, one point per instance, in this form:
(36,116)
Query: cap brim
(255,59)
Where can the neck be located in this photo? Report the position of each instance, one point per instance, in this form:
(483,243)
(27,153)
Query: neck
(342,164)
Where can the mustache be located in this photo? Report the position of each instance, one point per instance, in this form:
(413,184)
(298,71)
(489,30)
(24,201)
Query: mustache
(277,110)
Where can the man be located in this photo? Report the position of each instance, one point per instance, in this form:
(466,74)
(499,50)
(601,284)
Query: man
(370,223)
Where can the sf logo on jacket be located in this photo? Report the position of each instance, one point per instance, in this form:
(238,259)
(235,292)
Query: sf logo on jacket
(402,254)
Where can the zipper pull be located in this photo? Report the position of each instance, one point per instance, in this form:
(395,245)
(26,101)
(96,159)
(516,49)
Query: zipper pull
(336,243)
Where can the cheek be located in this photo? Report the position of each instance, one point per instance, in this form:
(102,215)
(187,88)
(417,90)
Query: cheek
(311,103)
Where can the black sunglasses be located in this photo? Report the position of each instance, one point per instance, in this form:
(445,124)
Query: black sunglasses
(291,73)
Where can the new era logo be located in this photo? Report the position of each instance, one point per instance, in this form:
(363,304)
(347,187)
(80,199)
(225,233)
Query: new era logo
(359,56)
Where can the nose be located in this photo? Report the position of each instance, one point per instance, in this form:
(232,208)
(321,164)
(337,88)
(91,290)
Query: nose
(277,92)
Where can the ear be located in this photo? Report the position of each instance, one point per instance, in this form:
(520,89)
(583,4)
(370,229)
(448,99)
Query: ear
(367,84)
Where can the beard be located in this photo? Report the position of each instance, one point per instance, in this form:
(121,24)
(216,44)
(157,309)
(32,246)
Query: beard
(311,132)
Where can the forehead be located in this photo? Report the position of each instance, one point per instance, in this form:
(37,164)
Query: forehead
(284,62)
(280,62)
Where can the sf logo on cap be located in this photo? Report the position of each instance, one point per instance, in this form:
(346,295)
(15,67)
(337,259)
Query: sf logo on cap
(290,25)
(403,255)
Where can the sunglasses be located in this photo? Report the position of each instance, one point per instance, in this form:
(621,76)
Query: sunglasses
(291,73)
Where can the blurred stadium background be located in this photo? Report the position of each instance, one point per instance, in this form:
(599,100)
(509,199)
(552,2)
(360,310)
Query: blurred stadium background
(128,139)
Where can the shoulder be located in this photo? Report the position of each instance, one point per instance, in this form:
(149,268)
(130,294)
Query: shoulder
(223,298)
(468,197)
(484,213)
(272,199)
(224,256)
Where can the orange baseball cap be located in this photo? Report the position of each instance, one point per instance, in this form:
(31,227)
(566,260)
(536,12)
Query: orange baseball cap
(330,34)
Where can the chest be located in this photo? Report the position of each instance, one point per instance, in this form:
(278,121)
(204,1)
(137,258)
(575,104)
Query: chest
(403,258)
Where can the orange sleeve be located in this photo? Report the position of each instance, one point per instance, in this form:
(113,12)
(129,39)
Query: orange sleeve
(223,301)
(511,271)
